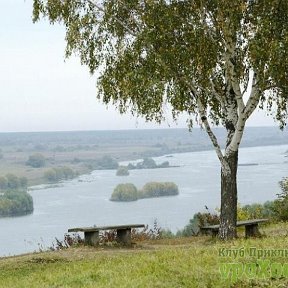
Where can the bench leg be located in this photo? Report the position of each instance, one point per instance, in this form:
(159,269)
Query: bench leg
(124,236)
(252,231)
(91,238)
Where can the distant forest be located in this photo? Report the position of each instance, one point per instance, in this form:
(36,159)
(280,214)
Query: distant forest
(171,140)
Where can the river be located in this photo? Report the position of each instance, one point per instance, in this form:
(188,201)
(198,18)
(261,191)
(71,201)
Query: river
(85,201)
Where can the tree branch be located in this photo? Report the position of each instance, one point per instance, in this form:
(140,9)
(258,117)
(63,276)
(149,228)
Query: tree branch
(254,97)
(235,83)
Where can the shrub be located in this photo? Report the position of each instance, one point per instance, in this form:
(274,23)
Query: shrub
(128,192)
(106,163)
(280,207)
(36,160)
(15,203)
(12,182)
(59,173)
(256,210)
(199,219)
(159,189)
(148,163)
(122,171)
(124,192)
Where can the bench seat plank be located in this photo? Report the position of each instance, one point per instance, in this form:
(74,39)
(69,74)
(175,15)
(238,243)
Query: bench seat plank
(251,227)
(98,228)
(91,234)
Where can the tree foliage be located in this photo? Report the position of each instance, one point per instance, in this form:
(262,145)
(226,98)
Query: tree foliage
(36,160)
(148,163)
(122,171)
(129,192)
(124,192)
(14,203)
(161,49)
(106,162)
(159,189)
(281,204)
(12,182)
(59,173)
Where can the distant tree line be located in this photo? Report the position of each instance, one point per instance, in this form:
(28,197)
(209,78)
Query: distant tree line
(148,163)
(129,192)
(12,182)
(57,174)
(14,203)
(104,163)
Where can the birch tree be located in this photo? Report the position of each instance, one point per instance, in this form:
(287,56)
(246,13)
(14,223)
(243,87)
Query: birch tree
(215,60)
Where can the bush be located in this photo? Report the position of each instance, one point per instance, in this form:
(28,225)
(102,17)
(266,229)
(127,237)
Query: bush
(148,163)
(36,160)
(14,203)
(128,192)
(158,189)
(255,211)
(122,171)
(124,192)
(199,220)
(106,163)
(280,207)
(59,173)
(12,182)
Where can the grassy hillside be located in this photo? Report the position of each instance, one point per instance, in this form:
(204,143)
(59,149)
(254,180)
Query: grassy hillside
(180,262)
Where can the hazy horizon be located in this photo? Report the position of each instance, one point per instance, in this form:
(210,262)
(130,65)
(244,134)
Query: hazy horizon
(136,129)
(41,91)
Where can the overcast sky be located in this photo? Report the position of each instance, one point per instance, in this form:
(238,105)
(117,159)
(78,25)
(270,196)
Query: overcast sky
(41,91)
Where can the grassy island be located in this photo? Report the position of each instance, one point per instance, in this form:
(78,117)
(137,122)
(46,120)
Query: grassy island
(128,192)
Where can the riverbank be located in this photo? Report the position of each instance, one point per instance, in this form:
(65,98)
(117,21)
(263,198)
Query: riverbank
(180,262)
(80,149)
(85,201)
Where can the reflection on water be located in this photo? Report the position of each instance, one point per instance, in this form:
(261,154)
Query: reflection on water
(85,200)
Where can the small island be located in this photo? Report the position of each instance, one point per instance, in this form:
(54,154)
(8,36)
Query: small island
(15,203)
(128,192)
(148,163)
(14,200)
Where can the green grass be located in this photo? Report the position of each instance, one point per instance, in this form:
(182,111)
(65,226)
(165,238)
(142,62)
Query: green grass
(180,262)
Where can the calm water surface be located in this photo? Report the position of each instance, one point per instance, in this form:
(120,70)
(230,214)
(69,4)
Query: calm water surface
(85,200)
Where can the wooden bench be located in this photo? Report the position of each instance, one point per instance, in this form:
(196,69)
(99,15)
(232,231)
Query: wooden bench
(251,227)
(91,234)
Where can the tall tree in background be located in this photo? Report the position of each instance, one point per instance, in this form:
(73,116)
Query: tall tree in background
(216,60)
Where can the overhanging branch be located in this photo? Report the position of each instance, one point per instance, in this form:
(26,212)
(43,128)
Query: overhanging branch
(254,97)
